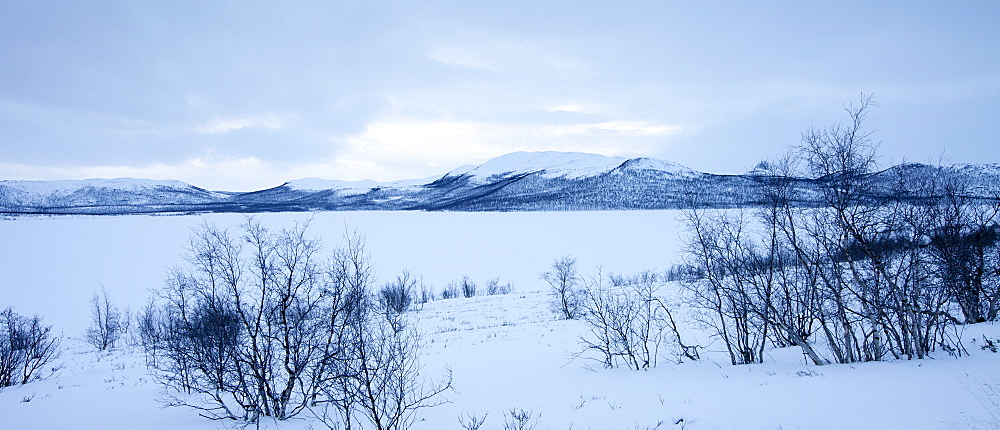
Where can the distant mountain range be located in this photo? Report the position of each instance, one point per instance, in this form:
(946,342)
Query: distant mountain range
(520,181)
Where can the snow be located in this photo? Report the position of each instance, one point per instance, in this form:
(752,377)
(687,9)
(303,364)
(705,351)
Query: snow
(573,165)
(664,166)
(508,352)
(570,165)
(550,164)
(505,351)
(71,257)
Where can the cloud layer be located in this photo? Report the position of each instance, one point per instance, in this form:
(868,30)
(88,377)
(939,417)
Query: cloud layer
(241,97)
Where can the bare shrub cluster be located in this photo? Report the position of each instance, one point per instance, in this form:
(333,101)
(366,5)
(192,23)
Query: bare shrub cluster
(629,321)
(494,287)
(877,270)
(265,325)
(514,419)
(397,296)
(468,288)
(26,348)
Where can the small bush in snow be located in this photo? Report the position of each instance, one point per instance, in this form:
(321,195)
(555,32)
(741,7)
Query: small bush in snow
(519,419)
(471,422)
(426,293)
(494,287)
(450,291)
(396,297)
(684,272)
(467,287)
(989,344)
(461,288)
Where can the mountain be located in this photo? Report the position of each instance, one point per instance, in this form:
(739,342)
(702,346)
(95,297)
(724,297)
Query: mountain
(103,196)
(562,181)
(520,181)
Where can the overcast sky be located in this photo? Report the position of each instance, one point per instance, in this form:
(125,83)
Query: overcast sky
(245,95)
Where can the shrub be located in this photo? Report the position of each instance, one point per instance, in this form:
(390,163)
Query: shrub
(450,291)
(629,322)
(426,293)
(396,297)
(467,287)
(494,287)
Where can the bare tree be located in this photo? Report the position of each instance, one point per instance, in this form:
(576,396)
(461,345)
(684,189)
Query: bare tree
(964,246)
(725,299)
(608,316)
(107,323)
(244,328)
(630,321)
(564,282)
(373,372)
(387,378)
(857,269)
(264,326)
(148,331)
(26,347)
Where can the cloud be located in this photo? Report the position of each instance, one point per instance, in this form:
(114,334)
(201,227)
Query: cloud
(219,174)
(388,149)
(452,143)
(225,125)
(534,57)
(620,128)
(570,107)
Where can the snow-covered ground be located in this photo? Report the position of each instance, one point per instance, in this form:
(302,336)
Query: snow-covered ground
(505,351)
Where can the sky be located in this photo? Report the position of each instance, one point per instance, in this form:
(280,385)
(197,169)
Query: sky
(245,95)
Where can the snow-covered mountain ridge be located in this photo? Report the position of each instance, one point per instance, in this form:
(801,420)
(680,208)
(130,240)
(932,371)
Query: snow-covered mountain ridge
(514,182)
(568,165)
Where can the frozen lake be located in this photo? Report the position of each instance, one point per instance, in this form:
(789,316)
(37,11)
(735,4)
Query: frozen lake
(52,265)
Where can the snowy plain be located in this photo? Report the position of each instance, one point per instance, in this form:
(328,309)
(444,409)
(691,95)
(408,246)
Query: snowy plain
(505,351)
